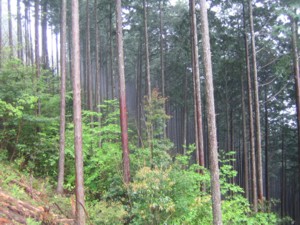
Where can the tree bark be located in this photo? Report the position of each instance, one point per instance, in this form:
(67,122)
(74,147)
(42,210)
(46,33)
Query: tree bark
(88,61)
(61,168)
(123,109)
(162,63)
(0,33)
(10,36)
(45,58)
(148,76)
(79,188)
(297,87)
(197,87)
(267,182)
(251,128)
(37,49)
(245,149)
(257,110)
(211,117)
(19,31)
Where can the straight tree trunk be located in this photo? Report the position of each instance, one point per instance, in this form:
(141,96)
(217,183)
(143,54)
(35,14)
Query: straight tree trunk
(267,182)
(88,61)
(10,36)
(79,187)
(245,149)
(123,109)
(111,53)
(197,92)
(297,87)
(257,110)
(45,57)
(148,76)
(61,164)
(162,63)
(37,48)
(19,31)
(251,128)
(211,117)
(98,61)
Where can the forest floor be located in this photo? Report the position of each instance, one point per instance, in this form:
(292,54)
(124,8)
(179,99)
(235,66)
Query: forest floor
(26,200)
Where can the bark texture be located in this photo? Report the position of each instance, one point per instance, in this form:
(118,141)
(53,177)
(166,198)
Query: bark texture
(123,109)
(211,117)
(79,188)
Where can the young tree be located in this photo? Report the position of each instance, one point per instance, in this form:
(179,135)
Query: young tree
(61,165)
(211,117)
(79,188)
(123,109)
(257,110)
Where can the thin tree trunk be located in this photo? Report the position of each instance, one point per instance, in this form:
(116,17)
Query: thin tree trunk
(197,92)
(79,187)
(61,168)
(19,31)
(98,62)
(10,36)
(123,110)
(297,87)
(111,57)
(88,61)
(251,129)
(257,110)
(245,149)
(45,58)
(162,63)
(211,117)
(37,49)
(148,76)
(267,147)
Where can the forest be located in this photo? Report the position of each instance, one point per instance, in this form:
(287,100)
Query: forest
(149,112)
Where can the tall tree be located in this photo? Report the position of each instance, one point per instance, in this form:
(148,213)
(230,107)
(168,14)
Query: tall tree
(88,61)
(211,117)
(63,39)
(297,85)
(79,188)
(45,57)
(123,109)
(257,109)
(147,57)
(19,31)
(197,93)
(10,35)
(250,110)
(37,47)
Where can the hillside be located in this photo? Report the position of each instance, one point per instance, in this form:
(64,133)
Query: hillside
(26,200)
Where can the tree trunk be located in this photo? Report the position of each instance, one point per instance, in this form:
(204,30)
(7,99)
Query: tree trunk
(88,61)
(245,149)
(10,36)
(162,63)
(61,168)
(257,110)
(123,110)
(111,52)
(197,92)
(19,31)
(148,76)
(98,62)
(45,58)
(267,182)
(79,187)
(211,117)
(251,129)
(297,87)
(37,49)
